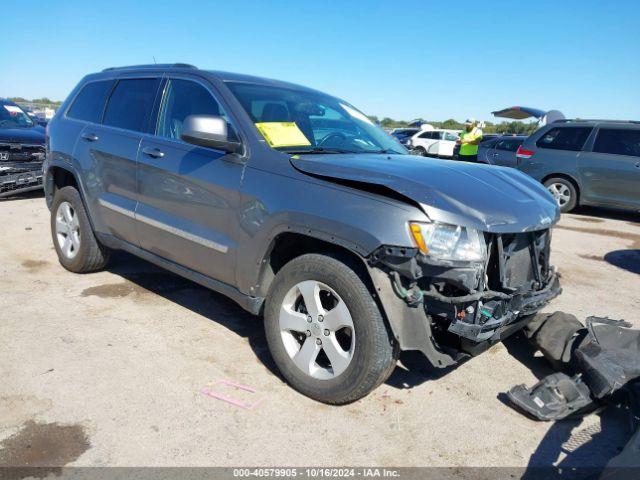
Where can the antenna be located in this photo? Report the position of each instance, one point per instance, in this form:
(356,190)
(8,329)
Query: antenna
(154,60)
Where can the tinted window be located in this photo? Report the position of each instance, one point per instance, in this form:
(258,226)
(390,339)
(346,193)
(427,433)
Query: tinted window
(566,138)
(509,144)
(181,99)
(427,135)
(131,103)
(618,142)
(489,143)
(89,103)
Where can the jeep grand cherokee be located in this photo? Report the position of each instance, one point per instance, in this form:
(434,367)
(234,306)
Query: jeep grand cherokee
(294,204)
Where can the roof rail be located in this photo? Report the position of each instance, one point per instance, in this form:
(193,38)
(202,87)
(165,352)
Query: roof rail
(569,120)
(151,65)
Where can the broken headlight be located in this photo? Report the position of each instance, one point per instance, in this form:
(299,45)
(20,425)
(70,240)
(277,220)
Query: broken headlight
(442,241)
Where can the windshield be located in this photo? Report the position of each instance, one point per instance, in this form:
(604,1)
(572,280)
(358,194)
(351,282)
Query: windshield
(12,116)
(300,121)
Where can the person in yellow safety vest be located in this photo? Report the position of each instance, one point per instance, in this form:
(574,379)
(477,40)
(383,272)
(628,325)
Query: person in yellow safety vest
(469,140)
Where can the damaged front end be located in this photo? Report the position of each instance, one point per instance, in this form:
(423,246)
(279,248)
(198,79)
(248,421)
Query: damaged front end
(464,306)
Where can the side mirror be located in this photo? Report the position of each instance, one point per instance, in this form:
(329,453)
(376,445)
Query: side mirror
(208,131)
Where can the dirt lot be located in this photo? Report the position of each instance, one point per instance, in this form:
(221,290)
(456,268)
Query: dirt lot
(109,368)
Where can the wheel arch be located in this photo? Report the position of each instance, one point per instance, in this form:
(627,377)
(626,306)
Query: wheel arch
(290,244)
(58,177)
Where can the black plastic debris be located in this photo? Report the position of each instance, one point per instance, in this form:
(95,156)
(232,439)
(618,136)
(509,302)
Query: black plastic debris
(609,356)
(552,398)
(603,357)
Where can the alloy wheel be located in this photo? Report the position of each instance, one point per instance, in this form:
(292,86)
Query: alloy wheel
(317,330)
(560,192)
(67,230)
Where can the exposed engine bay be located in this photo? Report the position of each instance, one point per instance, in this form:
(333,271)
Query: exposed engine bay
(472,305)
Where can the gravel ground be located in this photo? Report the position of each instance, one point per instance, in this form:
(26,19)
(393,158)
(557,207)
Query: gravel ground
(109,368)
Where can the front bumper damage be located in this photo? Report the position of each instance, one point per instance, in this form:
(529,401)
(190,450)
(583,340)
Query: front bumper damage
(456,310)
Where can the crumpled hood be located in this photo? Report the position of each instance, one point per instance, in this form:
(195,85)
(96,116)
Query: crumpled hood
(33,135)
(488,198)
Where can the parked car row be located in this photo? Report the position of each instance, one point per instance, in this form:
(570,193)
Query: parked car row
(580,162)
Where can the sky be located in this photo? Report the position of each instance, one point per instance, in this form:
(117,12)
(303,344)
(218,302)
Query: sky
(408,59)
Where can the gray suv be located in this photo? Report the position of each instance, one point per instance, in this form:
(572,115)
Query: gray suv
(586,162)
(298,207)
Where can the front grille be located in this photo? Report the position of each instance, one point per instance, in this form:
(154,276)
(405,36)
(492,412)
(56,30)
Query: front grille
(16,152)
(20,184)
(520,261)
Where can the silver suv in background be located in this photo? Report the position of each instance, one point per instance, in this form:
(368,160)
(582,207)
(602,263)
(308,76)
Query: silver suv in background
(586,162)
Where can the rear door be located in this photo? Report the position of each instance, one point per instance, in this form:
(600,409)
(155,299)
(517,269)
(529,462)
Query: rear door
(504,153)
(447,144)
(610,169)
(188,195)
(109,151)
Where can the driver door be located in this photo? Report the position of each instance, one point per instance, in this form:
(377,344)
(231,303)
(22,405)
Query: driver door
(188,194)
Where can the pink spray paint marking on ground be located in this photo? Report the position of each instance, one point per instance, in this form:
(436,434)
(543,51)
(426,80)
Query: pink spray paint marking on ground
(233,401)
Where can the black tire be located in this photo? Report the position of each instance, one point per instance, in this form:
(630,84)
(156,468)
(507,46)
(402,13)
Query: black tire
(374,352)
(569,205)
(421,151)
(91,255)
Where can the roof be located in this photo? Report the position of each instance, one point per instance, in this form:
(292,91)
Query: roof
(220,75)
(594,121)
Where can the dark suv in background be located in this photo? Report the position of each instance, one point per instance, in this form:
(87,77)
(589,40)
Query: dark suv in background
(22,150)
(586,162)
(297,206)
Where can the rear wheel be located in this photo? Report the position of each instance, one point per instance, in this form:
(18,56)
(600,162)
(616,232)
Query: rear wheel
(564,192)
(77,247)
(325,331)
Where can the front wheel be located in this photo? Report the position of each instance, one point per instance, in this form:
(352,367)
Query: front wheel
(420,151)
(325,331)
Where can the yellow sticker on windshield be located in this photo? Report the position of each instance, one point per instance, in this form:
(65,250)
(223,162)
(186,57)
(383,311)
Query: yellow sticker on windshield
(283,134)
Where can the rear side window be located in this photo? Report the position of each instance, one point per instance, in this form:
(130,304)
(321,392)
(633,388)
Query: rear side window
(489,143)
(565,138)
(89,103)
(618,142)
(509,144)
(131,103)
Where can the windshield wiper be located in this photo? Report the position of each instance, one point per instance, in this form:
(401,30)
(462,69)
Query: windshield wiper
(319,150)
(385,151)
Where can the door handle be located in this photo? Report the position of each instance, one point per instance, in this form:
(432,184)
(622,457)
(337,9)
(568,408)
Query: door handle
(638,164)
(153,152)
(90,137)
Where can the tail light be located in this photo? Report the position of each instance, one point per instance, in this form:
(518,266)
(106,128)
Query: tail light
(524,154)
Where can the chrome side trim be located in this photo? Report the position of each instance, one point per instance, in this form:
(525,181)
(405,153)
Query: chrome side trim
(181,233)
(163,226)
(117,208)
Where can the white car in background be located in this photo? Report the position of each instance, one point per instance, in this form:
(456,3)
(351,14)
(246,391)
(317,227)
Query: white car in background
(435,142)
